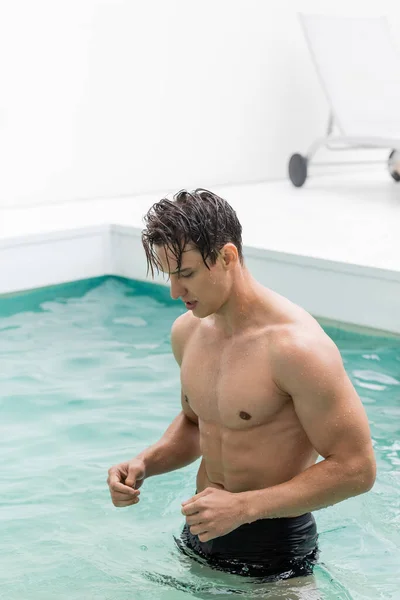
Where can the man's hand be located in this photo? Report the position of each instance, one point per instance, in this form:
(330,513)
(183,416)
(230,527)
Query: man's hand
(213,513)
(124,480)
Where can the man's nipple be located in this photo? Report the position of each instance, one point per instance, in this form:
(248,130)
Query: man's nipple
(244,415)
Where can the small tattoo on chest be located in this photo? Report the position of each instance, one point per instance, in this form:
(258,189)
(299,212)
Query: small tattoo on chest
(244,415)
(187,399)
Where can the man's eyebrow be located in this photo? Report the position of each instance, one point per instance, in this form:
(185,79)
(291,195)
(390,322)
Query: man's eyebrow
(181,270)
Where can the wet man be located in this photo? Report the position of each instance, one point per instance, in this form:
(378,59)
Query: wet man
(264,393)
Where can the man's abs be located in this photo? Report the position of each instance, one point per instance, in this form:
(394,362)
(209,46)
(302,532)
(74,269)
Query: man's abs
(239,461)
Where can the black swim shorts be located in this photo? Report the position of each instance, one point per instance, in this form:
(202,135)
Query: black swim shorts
(269,548)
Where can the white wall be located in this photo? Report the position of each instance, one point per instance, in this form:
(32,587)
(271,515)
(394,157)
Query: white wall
(104,98)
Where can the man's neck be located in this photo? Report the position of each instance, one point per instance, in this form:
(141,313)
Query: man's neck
(245,307)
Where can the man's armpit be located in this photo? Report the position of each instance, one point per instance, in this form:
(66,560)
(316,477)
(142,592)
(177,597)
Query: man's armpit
(190,414)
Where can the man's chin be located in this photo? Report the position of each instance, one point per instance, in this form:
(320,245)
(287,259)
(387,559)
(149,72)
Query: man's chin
(201,312)
(196,310)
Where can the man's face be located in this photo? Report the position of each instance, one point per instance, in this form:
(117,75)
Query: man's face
(202,290)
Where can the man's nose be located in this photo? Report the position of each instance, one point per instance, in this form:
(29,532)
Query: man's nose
(177,289)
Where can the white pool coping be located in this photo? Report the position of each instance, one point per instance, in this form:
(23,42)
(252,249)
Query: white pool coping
(333,246)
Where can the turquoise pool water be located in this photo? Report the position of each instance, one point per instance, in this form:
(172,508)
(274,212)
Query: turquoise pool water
(88,380)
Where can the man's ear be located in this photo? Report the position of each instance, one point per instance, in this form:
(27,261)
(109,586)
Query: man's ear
(229,255)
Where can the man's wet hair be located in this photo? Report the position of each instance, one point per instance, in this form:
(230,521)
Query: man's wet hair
(199,218)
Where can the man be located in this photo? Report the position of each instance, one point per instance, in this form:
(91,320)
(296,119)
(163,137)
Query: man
(264,393)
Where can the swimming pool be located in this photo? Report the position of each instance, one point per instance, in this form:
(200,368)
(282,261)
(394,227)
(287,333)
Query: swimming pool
(88,380)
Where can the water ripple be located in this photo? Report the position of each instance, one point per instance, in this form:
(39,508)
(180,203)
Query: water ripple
(88,380)
(375,376)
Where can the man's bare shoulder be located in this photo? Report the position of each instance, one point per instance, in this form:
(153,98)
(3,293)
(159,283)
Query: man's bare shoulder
(302,346)
(182,329)
(299,336)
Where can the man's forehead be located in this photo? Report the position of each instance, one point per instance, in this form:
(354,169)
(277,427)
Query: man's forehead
(190,258)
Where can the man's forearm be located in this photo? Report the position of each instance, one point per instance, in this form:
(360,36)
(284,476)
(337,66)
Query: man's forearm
(178,447)
(319,486)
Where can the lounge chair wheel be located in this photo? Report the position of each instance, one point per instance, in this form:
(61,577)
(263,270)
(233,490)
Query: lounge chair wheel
(298,169)
(394,164)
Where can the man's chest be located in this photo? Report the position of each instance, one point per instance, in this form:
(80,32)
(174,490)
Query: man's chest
(232,386)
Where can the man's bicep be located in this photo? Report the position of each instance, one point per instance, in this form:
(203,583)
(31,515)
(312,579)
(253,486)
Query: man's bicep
(334,420)
(326,403)
(181,329)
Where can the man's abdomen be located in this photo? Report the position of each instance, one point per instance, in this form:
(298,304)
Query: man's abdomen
(255,459)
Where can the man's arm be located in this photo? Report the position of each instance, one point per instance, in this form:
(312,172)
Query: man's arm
(180,444)
(311,371)
(178,447)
